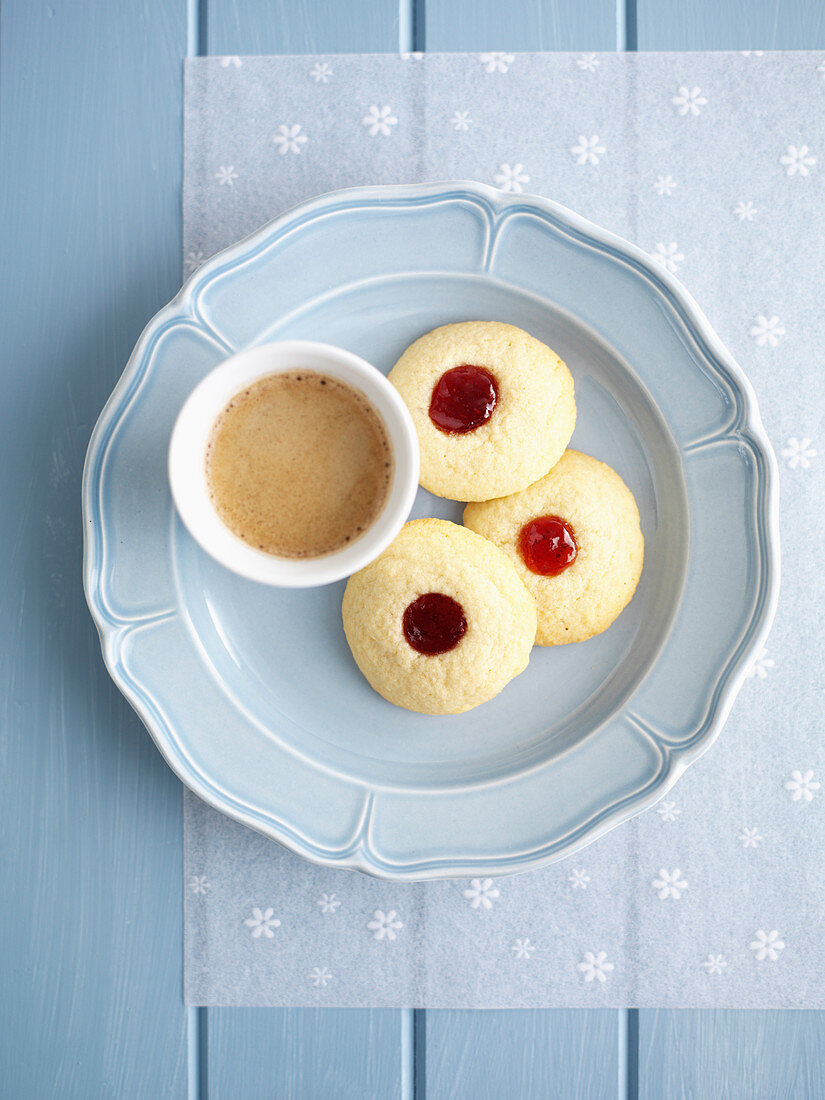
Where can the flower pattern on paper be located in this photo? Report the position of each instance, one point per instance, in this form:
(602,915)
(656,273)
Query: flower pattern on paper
(384,925)
(523,949)
(750,838)
(511,178)
(669,884)
(262,922)
(193,261)
(798,160)
(802,786)
(766,331)
(289,139)
(594,965)
(766,945)
(320,976)
(461,120)
(198,884)
(745,211)
(668,255)
(715,964)
(664,185)
(798,452)
(689,101)
(226,175)
(328,903)
(321,72)
(668,811)
(579,879)
(481,893)
(588,62)
(760,665)
(378,121)
(496,62)
(233,62)
(588,150)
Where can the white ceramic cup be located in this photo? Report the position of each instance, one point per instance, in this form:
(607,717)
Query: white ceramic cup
(187,462)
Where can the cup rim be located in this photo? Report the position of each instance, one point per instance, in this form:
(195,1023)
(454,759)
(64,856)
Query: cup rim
(187,462)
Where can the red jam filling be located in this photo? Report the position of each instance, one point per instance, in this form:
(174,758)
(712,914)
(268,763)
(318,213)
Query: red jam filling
(463,399)
(434,623)
(548,545)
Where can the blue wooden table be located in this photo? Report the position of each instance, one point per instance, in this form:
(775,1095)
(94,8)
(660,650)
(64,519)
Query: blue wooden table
(90,817)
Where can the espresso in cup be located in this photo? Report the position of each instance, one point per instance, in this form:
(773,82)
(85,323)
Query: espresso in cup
(299,464)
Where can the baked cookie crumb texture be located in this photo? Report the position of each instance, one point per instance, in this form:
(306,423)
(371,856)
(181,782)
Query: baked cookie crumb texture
(587,595)
(433,557)
(510,445)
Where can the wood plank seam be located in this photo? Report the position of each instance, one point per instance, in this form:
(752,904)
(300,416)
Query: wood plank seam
(627,34)
(419,1066)
(197,1016)
(627,30)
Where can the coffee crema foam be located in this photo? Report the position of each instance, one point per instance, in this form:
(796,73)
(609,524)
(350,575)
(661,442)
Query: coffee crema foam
(299,464)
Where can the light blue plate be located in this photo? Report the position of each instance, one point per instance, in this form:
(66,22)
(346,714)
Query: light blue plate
(251,693)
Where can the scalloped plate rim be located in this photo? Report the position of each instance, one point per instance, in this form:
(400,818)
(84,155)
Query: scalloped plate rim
(182,309)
